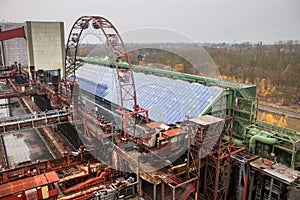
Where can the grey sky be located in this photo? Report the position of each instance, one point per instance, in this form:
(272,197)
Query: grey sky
(201,20)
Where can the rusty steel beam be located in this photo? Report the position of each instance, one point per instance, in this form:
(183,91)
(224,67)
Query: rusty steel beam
(4,69)
(10,75)
(16,91)
(7,95)
(14,87)
(28,84)
(89,182)
(42,89)
(233,153)
(13,33)
(54,96)
(12,72)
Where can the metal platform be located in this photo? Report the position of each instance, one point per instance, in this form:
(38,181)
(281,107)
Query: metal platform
(17,123)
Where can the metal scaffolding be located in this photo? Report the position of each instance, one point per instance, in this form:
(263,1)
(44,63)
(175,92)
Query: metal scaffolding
(217,169)
(207,133)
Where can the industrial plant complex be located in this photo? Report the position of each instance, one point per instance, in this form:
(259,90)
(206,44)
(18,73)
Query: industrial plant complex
(98,127)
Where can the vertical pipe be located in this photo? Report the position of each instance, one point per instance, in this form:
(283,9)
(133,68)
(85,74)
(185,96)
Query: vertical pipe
(162,190)
(293,157)
(251,184)
(246,186)
(9,105)
(138,170)
(197,188)
(154,192)
(2,51)
(3,54)
(140,185)
(198,168)
(173,191)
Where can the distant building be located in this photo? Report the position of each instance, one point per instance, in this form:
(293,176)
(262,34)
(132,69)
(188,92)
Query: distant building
(46,46)
(43,48)
(14,50)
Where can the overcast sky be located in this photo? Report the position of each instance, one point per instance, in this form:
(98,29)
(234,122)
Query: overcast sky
(200,20)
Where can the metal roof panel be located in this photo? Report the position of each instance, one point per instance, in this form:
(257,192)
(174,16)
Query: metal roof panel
(166,99)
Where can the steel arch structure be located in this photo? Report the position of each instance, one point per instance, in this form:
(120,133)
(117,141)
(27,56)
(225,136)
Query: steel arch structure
(119,53)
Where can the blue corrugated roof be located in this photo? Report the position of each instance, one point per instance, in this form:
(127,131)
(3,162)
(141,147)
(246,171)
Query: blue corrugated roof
(166,99)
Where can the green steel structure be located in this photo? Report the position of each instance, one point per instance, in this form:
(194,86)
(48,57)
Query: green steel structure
(270,141)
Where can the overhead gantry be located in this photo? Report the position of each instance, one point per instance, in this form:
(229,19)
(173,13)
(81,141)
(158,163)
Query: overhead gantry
(125,77)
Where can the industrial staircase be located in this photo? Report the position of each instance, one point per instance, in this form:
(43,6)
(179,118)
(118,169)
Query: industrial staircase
(189,189)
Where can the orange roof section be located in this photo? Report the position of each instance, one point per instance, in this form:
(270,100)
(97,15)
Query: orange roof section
(174,132)
(27,183)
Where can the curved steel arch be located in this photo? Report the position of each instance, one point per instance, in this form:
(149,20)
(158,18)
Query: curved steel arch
(125,76)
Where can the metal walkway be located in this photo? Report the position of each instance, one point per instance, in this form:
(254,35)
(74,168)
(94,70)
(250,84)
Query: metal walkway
(35,120)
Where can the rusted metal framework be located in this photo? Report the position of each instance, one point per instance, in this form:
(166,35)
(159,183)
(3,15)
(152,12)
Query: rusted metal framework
(125,76)
(36,86)
(206,145)
(78,177)
(217,162)
(45,166)
(194,157)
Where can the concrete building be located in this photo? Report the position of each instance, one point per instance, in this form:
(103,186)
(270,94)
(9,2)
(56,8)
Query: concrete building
(46,46)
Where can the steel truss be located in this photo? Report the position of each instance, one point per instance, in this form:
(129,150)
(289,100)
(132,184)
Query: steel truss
(125,76)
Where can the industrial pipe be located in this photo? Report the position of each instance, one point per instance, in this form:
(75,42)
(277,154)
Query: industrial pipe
(233,152)
(234,140)
(246,186)
(261,139)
